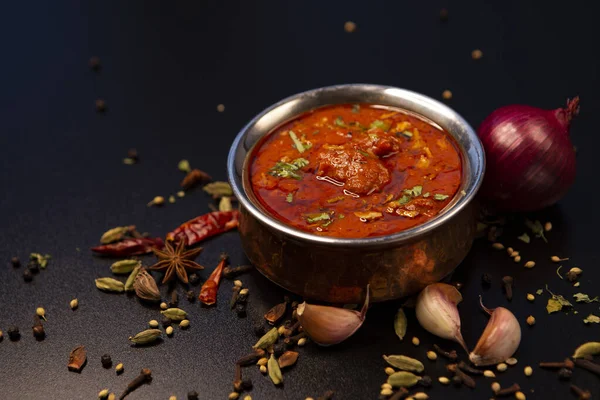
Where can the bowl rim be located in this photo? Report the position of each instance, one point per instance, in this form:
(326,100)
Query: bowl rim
(474,156)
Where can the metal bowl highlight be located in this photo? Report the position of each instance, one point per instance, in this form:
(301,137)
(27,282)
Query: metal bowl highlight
(338,270)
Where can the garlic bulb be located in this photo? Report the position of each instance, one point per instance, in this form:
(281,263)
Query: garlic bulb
(500,338)
(330,325)
(437,313)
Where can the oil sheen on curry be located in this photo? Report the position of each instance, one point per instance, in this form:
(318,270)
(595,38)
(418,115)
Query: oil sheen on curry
(355,171)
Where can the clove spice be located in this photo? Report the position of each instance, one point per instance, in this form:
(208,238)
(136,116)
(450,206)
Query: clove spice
(508,282)
(509,391)
(583,394)
(145,376)
(234,297)
(38,328)
(565,364)
(232,272)
(400,394)
(451,355)
(588,365)
(250,359)
(468,369)
(465,379)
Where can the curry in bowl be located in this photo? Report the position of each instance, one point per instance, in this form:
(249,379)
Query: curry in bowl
(356,171)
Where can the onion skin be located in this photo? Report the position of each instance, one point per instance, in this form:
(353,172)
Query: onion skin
(530,158)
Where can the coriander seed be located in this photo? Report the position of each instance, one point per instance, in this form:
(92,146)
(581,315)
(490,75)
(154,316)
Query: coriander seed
(169,330)
(528,371)
(498,246)
(184,324)
(180,194)
(220,107)
(531,320)
(517,259)
(119,368)
(153,324)
(237,283)
(512,361)
(548,226)
(163,306)
(386,386)
(476,54)
(103,394)
(262,361)
(530,297)
(502,367)
(386,392)
(416,341)
(444,380)
(248,397)
(263,369)
(529,264)
(420,396)
(302,342)
(389,370)
(520,396)
(432,355)
(349,26)
(40,312)
(157,201)
(495,387)
(233,395)
(489,374)
(74,304)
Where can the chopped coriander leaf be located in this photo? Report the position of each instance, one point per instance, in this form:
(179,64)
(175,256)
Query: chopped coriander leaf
(584,298)
(426,195)
(524,238)
(404,199)
(341,216)
(300,162)
(326,224)
(364,153)
(285,170)
(289,198)
(440,197)
(336,199)
(356,108)
(312,218)
(379,124)
(339,121)
(407,134)
(297,143)
(415,191)
(368,215)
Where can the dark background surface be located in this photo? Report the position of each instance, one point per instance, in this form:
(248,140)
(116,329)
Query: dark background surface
(165,67)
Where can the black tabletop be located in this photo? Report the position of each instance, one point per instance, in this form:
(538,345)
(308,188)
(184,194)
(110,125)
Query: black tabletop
(165,68)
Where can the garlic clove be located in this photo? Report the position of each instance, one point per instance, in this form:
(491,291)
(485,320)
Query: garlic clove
(330,325)
(437,313)
(500,338)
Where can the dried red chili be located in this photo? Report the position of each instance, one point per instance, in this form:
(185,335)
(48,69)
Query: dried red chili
(130,247)
(205,226)
(208,293)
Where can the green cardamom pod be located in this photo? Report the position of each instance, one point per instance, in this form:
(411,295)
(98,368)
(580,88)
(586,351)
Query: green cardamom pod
(145,337)
(115,234)
(225,204)
(124,266)
(146,288)
(110,285)
(218,189)
(174,314)
(131,278)
(403,379)
(400,323)
(404,363)
(587,349)
(274,371)
(267,340)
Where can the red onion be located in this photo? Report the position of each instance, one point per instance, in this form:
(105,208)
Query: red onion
(529,156)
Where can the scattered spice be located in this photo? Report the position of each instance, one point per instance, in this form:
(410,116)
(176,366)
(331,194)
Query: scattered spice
(476,54)
(220,107)
(495,387)
(169,330)
(180,194)
(583,394)
(103,394)
(74,304)
(232,272)
(208,292)
(486,279)
(556,302)
(444,380)
(205,226)
(517,259)
(389,370)
(468,369)
(403,379)
(404,363)
(508,282)
(156,201)
(145,376)
(565,373)
(106,361)
(42,260)
(588,365)
(530,297)
(528,371)
(184,324)
(531,320)
(218,189)
(432,355)
(557,259)
(567,363)
(529,264)
(129,247)
(573,274)
(119,368)
(416,341)
(524,238)
(287,359)
(509,391)
(193,395)
(274,371)
(512,361)
(584,298)
(124,266)
(451,355)
(77,359)
(116,234)
(163,306)
(176,261)
(489,374)
(349,26)
(276,313)
(16,263)
(174,314)
(301,342)
(446,94)
(40,312)
(268,339)
(145,337)
(501,367)
(193,178)
(588,349)
(27,275)
(190,295)
(520,396)
(464,378)
(174,302)
(548,226)
(537,229)
(100,105)
(38,328)
(400,324)
(110,285)
(443,15)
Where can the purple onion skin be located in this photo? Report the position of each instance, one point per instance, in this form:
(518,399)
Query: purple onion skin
(530,160)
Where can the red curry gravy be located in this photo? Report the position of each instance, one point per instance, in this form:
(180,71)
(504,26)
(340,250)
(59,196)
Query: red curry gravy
(355,171)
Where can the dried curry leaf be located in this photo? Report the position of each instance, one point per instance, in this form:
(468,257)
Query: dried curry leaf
(41,259)
(400,324)
(77,359)
(524,238)
(584,298)
(218,189)
(297,143)
(556,302)
(184,166)
(592,319)
(414,191)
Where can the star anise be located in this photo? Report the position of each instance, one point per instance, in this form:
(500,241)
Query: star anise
(176,261)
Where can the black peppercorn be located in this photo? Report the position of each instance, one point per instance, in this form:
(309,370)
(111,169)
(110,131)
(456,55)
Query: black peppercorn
(15,262)
(278,349)
(457,381)
(246,384)
(565,373)
(190,295)
(165,322)
(34,266)
(486,279)
(13,333)
(425,381)
(106,361)
(27,275)
(38,328)
(240,310)
(193,395)
(194,279)
(259,330)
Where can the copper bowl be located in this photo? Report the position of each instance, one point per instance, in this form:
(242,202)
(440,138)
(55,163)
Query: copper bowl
(338,270)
